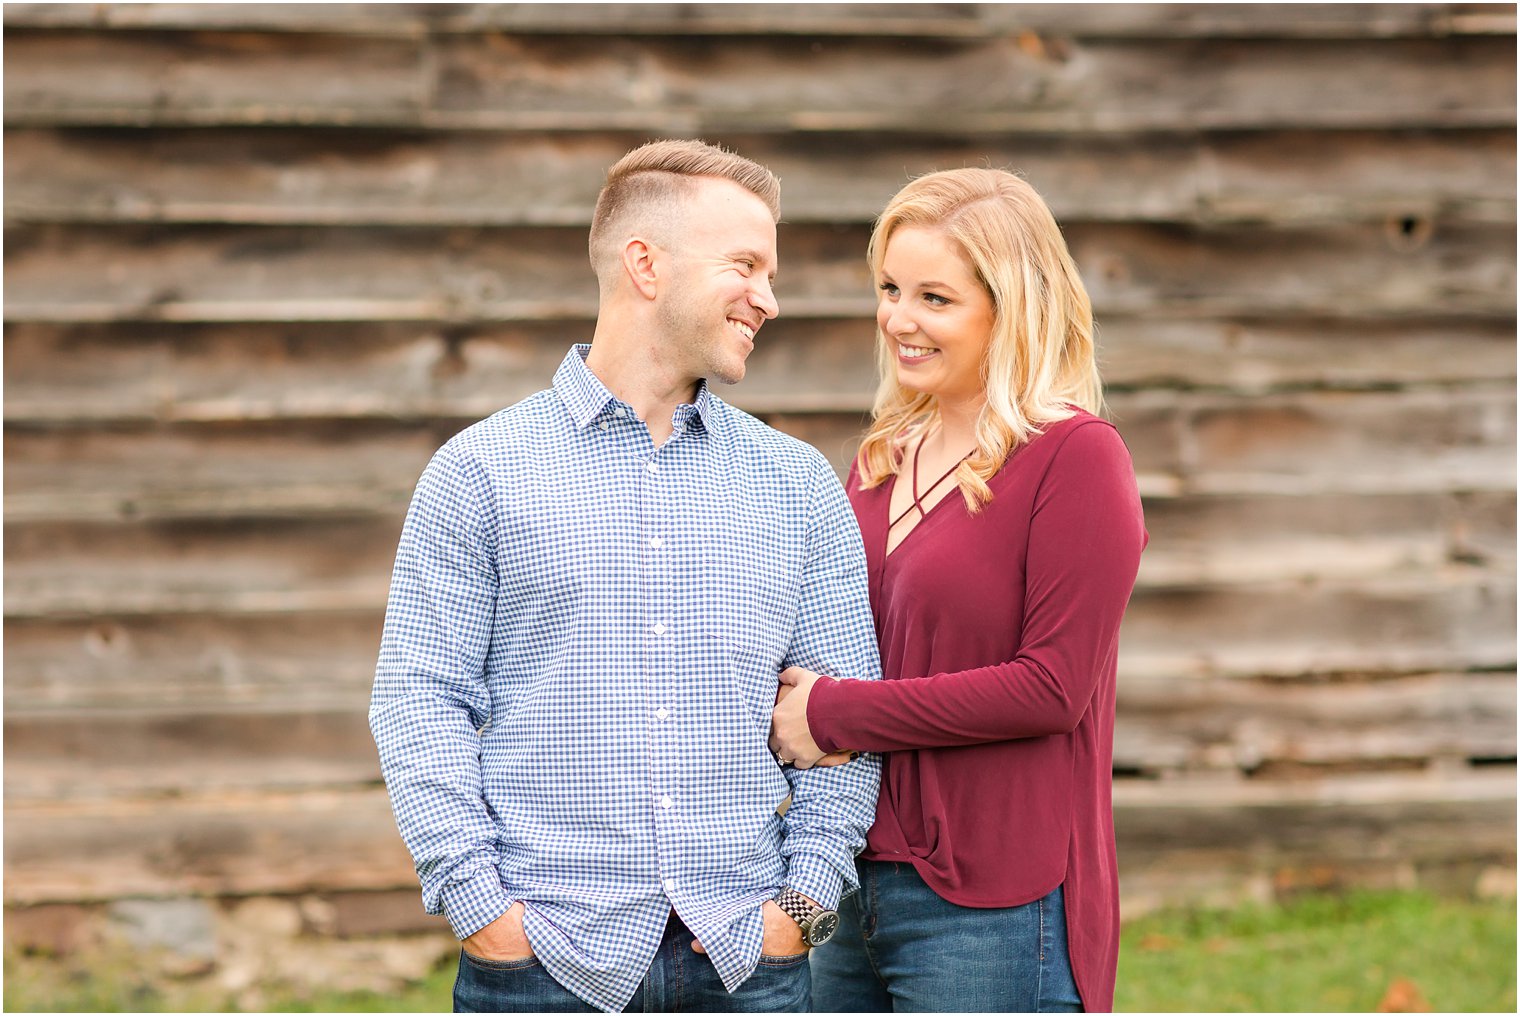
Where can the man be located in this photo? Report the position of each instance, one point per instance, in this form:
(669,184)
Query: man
(594,592)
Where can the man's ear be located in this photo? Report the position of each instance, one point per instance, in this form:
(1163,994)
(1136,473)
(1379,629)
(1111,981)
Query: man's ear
(639,257)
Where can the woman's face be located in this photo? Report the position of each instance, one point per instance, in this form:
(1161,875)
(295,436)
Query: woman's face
(935,313)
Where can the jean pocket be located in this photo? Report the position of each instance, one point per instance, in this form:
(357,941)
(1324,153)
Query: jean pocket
(783,962)
(526,963)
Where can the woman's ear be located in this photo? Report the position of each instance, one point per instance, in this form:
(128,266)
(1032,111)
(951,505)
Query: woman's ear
(639,262)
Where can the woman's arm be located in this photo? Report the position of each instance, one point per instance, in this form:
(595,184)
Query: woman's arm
(1086,533)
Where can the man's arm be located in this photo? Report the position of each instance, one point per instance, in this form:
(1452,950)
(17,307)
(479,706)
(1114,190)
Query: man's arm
(832,808)
(430,697)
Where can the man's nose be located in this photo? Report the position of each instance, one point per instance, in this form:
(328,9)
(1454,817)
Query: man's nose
(763,299)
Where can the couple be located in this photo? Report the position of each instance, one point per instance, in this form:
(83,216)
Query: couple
(597,588)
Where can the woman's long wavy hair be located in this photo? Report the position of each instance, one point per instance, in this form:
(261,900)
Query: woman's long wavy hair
(1042,359)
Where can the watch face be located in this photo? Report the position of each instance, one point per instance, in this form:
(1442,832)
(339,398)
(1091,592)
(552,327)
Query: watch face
(823,927)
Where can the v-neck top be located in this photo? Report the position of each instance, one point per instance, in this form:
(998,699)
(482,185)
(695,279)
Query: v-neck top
(999,639)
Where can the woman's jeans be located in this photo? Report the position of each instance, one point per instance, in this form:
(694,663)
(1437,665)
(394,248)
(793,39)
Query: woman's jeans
(678,980)
(901,948)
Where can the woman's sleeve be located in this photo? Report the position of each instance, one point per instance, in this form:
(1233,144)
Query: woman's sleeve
(1086,533)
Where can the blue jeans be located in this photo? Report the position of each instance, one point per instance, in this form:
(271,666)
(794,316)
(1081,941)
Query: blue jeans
(901,948)
(678,980)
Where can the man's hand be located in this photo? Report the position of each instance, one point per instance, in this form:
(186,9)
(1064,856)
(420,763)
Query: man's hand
(503,939)
(790,736)
(783,936)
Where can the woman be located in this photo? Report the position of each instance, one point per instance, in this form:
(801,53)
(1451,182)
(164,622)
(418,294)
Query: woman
(1003,531)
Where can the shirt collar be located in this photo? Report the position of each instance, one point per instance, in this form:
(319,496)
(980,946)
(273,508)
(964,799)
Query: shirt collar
(588,399)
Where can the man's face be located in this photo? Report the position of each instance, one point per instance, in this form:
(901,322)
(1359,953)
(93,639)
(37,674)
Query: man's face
(718,293)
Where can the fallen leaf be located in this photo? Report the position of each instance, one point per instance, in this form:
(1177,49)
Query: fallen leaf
(1403,995)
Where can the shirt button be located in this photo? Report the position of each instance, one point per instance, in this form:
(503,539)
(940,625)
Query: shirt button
(661,713)
(666,802)
(653,467)
(670,885)
(602,425)
(622,412)
(656,542)
(659,629)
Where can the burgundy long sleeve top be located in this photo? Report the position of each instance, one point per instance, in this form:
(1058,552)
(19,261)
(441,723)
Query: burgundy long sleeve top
(999,635)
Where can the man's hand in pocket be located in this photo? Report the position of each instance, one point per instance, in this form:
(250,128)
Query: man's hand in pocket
(503,939)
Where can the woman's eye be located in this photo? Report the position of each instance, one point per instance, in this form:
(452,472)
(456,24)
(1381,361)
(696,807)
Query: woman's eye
(934,299)
(888,288)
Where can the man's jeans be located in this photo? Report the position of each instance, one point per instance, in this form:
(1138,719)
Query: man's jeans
(901,948)
(678,980)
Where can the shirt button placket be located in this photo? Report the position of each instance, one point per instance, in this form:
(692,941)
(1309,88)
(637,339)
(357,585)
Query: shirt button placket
(661,636)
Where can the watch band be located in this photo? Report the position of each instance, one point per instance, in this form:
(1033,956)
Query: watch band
(817,923)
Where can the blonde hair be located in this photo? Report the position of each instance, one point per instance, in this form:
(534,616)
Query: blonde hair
(644,189)
(1041,360)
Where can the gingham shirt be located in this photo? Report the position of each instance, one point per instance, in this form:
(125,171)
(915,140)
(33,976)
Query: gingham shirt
(575,681)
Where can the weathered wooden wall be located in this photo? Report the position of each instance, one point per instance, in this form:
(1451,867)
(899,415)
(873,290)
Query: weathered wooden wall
(262,259)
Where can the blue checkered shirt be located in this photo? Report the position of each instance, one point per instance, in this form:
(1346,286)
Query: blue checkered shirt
(573,697)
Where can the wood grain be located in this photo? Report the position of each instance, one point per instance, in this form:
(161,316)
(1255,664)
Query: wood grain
(325,841)
(263,259)
(1164,728)
(677,84)
(953,20)
(120,373)
(67,273)
(370,177)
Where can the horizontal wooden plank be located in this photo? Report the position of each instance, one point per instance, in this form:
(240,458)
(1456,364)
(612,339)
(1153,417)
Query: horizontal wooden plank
(1420,622)
(1294,452)
(172,372)
(1241,540)
(1260,355)
(1190,444)
(117,374)
(85,273)
(250,471)
(295,177)
(294,658)
(227,844)
(93,753)
(1220,852)
(1167,727)
(1001,83)
(918,20)
(234,844)
(409,20)
(665,84)
(285,566)
(306,470)
(1299,443)
(192,661)
(143,78)
(1451,617)
(1368,438)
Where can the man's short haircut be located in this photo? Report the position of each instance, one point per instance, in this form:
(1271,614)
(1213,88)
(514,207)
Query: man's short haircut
(644,189)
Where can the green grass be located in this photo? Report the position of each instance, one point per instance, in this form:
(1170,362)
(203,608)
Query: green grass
(118,983)
(1335,953)
(1323,953)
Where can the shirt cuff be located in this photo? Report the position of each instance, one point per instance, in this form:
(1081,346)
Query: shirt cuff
(815,878)
(823,706)
(474,903)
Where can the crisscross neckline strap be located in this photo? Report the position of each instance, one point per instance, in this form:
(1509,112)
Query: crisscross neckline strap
(918,499)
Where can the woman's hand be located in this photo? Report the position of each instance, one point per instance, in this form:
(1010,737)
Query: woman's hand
(790,737)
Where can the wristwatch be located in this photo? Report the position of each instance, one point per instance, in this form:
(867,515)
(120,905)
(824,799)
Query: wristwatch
(818,924)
